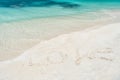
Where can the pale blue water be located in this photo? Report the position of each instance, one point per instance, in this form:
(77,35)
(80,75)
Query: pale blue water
(14,10)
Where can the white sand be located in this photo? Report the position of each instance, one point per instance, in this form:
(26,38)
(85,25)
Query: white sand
(17,37)
(92,54)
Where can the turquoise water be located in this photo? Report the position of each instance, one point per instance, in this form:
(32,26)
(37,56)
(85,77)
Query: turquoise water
(13,10)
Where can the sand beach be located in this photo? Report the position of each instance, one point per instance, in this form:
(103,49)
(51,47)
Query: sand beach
(59,40)
(17,37)
(93,52)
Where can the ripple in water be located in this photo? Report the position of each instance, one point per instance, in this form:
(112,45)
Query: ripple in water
(36,3)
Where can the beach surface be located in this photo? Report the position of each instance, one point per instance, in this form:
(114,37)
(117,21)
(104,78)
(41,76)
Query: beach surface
(90,54)
(59,40)
(17,37)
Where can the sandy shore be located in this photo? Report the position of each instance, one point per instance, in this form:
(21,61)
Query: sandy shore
(17,37)
(91,54)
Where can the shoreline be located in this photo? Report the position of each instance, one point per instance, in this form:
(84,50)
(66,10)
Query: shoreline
(15,55)
(17,37)
(76,15)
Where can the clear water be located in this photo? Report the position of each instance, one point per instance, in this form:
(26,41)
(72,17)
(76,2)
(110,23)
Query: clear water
(13,10)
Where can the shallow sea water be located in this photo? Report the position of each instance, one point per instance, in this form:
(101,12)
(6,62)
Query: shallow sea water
(15,10)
